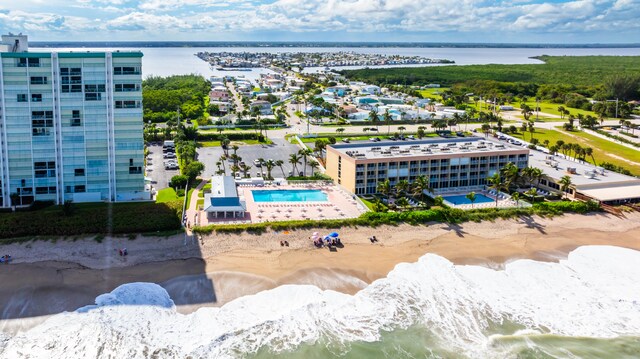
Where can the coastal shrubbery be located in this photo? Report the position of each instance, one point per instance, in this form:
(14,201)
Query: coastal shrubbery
(433,215)
(91,218)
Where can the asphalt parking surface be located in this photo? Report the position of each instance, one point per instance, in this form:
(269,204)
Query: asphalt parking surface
(279,150)
(155,168)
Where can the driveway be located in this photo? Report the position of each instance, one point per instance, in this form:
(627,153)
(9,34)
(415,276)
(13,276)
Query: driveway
(155,168)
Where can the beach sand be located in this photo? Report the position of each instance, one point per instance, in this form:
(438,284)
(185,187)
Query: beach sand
(51,277)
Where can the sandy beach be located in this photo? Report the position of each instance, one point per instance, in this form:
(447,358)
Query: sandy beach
(50,277)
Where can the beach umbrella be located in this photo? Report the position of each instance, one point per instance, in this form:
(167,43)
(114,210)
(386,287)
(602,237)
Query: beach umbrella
(333,234)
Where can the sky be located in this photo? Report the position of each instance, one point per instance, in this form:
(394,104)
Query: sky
(478,21)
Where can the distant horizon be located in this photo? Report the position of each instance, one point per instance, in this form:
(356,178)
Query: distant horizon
(321,44)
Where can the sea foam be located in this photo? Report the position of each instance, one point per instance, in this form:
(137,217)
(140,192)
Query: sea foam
(592,293)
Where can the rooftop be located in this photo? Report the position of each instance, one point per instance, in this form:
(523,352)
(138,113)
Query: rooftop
(420,148)
(223,196)
(583,174)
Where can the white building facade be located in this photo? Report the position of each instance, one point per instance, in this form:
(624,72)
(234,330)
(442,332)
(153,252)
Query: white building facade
(70,127)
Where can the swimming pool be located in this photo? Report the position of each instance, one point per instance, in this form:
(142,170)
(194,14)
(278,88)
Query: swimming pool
(462,199)
(289,195)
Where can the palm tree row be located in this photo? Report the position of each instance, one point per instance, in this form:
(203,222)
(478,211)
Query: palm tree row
(417,189)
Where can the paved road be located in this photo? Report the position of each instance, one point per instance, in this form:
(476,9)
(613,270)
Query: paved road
(155,168)
(279,150)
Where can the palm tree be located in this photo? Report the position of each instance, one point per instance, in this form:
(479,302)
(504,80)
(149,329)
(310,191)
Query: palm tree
(245,169)
(526,112)
(294,159)
(565,183)
(402,186)
(384,188)
(387,119)
(314,166)
(496,184)
(421,184)
(516,197)
(532,193)
(401,129)
(339,130)
(510,173)
(305,153)
(269,164)
(471,196)
(532,129)
(234,169)
(486,128)
(235,149)
(561,110)
(279,163)
(224,143)
(402,202)
(373,117)
(588,151)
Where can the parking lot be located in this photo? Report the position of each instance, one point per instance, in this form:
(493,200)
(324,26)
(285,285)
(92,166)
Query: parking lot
(156,170)
(279,150)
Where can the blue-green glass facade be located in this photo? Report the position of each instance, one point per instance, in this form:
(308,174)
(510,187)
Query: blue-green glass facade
(71,127)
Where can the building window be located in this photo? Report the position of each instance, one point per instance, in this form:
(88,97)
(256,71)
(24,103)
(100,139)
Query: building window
(126,70)
(38,80)
(28,62)
(44,169)
(94,88)
(92,96)
(46,190)
(127,104)
(135,170)
(75,118)
(41,122)
(22,97)
(36,97)
(127,87)
(79,172)
(79,188)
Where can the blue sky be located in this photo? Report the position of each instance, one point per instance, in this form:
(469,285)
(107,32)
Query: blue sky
(520,21)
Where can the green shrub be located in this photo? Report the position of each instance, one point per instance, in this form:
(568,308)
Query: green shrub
(444,214)
(93,218)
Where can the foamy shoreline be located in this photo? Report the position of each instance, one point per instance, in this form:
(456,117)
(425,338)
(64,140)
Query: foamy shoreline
(243,264)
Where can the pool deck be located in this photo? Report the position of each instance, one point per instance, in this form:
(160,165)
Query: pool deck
(505,202)
(339,205)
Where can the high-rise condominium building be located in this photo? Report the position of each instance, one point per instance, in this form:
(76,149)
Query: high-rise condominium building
(70,125)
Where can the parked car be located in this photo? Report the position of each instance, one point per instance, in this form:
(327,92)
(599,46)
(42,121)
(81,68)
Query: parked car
(257,163)
(170,155)
(345,140)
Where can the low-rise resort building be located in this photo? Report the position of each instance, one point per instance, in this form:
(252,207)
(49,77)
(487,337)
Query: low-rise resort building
(451,164)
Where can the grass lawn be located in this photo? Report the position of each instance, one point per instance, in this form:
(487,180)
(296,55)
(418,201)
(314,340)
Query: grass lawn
(552,108)
(189,196)
(433,92)
(542,118)
(166,195)
(200,203)
(603,150)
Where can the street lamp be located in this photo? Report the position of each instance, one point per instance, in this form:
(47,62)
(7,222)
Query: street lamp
(616,101)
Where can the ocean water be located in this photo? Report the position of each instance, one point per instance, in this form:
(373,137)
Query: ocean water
(164,61)
(587,306)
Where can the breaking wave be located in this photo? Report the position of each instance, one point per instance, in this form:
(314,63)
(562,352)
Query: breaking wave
(593,293)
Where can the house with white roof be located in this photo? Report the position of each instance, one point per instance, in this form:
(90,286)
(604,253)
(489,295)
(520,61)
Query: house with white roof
(223,200)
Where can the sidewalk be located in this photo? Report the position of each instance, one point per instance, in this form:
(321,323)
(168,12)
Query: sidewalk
(193,214)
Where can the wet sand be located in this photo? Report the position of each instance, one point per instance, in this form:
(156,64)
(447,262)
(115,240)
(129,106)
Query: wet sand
(47,278)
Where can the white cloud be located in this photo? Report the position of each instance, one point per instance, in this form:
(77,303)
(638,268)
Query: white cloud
(375,17)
